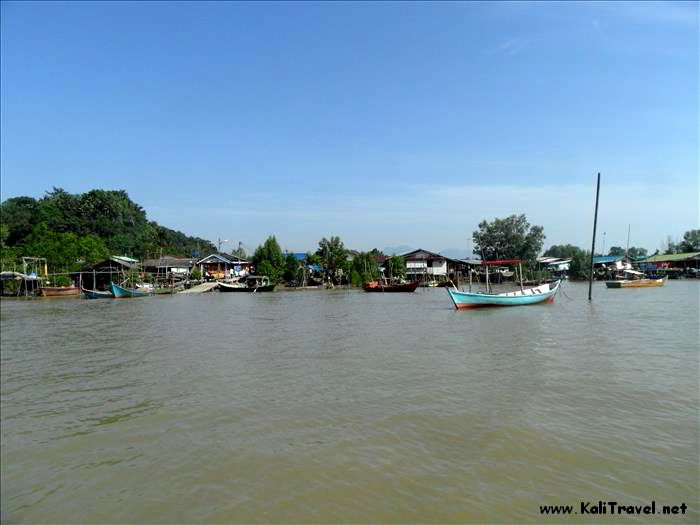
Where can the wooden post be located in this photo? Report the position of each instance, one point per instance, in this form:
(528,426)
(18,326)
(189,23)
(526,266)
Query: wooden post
(520,266)
(470,279)
(595,224)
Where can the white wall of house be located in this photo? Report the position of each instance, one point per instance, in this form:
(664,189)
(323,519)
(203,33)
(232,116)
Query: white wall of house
(438,268)
(416,266)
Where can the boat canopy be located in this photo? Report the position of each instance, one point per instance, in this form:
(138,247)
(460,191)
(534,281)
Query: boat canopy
(501,262)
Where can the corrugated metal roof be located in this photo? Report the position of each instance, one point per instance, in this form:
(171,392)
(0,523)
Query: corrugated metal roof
(604,259)
(672,257)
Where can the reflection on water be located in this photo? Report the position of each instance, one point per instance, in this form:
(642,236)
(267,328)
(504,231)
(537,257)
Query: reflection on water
(317,406)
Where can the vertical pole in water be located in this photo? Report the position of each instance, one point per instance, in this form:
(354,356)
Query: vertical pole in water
(470,279)
(595,224)
(520,266)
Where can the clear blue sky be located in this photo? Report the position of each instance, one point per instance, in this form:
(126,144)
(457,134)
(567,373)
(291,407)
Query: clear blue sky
(384,123)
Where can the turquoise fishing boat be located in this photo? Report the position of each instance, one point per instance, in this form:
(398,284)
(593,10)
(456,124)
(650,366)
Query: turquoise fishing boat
(539,294)
(119,291)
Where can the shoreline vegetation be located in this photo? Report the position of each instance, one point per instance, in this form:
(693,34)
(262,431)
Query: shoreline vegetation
(71,232)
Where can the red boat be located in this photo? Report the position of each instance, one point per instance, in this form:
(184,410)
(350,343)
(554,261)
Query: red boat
(376,286)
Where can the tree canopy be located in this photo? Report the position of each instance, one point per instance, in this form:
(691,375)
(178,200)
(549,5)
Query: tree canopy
(509,238)
(333,257)
(269,260)
(70,229)
(690,242)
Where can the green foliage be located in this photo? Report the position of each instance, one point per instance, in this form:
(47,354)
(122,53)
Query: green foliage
(365,266)
(509,238)
(64,251)
(580,265)
(395,267)
(690,242)
(62,280)
(291,267)
(93,224)
(266,268)
(195,274)
(562,251)
(270,251)
(617,251)
(268,260)
(637,252)
(333,258)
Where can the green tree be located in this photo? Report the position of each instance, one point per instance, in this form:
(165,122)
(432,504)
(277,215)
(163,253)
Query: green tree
(395,267)
(266,268)
(291,267)
(617,251)
(580,265)
(268,259)
(509,238)
(563,251)
(690,242)
(637,252)
(19,215)
(364,267)
(333,258)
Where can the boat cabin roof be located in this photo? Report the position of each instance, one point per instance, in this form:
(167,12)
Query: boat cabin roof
(501,262)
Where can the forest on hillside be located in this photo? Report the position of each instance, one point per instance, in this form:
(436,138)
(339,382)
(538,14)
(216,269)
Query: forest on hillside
(73,230)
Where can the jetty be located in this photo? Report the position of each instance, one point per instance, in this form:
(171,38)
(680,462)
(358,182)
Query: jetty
(201,288)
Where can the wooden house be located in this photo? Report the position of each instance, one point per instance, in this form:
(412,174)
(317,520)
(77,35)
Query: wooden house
(223,266)
(424,265)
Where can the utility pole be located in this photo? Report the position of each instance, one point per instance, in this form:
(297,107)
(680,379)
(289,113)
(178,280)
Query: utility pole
(221,241)
(595,224)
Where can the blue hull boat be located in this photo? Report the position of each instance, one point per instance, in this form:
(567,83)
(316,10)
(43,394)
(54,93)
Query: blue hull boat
(538,294)
(120,291)
(95,294)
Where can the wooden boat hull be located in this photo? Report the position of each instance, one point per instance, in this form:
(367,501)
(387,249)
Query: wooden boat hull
(390,288)
(96,294)
(121,292)
(539,294)
(223,287)
(59,291)
(639,283)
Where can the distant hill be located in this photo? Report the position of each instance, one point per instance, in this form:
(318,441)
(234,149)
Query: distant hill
(398,250)
(67,229)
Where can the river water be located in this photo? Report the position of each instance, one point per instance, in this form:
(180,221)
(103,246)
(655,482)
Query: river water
(342,406)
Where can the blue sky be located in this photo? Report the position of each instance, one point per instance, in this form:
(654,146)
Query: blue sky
(384,123)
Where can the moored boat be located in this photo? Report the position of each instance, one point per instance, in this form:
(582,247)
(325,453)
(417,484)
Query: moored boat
(634,283)
(376,286)
(96,294)
(59,291)
(120,291)
(538,294)
(253,284)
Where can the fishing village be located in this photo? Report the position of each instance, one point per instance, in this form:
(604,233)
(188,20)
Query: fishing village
(350,262)
(521,274)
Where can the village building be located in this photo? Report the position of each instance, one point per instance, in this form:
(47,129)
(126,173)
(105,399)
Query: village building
(424,265)
(223,266)
(98,276)
(168,267)
(673,265)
